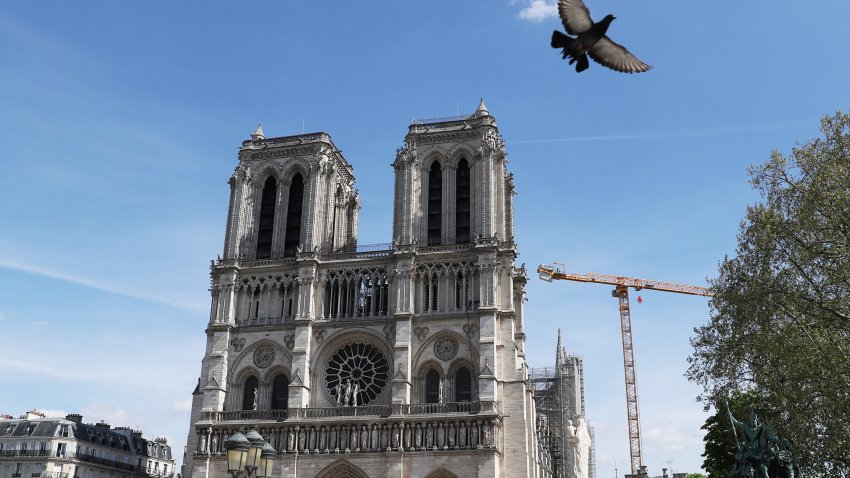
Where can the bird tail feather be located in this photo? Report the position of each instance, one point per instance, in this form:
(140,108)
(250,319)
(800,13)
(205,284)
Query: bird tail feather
(559,40)
(582,64)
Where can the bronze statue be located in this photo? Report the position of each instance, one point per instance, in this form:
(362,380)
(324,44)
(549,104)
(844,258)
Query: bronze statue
(763,454)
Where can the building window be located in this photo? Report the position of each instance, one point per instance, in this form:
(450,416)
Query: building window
(292,239)
(463,385)
(63,431)
(462,201)
(30,429)
(280,392)
(60,449)
(250,389)
(18,467)
(266,226)
(432,386)
(435,204)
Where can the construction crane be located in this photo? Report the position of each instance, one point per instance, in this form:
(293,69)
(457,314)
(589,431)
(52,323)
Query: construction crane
(621,293)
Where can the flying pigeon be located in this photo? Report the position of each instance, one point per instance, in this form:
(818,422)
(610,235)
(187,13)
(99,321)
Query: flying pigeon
(590,39)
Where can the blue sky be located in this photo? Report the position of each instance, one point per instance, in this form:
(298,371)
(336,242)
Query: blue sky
(120,123)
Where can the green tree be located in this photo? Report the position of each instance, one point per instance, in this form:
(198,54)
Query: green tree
(695,475)
(780,319)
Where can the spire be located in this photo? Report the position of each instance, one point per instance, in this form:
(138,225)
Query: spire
(558,349)
(258,133)
(482,109)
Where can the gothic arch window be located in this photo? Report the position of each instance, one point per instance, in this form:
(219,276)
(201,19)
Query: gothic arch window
(292,238)
(435,204)
(441,473)
(463,385)
(342,469)
(432,386)
(462,203)
(248,392)
(280,392)
(266,225)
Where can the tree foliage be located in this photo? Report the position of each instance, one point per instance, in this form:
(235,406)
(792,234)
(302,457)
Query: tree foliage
(780,320)
(695,475)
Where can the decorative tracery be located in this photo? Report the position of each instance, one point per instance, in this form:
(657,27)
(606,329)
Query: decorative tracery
(352,293)
(357,374)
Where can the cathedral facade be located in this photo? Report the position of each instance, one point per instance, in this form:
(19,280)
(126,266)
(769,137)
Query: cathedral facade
(403,359)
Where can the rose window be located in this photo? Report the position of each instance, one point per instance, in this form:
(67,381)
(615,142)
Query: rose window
(357,374)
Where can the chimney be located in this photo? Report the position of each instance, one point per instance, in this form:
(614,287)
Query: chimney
(34,415)
(102,425)
(74,417)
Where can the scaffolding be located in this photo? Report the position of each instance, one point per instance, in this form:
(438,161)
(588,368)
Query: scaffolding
(559,398)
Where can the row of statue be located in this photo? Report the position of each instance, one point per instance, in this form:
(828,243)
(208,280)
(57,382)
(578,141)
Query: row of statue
(347,395)
(365,438)
(762,453)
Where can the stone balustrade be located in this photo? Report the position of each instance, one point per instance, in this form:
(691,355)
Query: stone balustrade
(368,435)
(383,411)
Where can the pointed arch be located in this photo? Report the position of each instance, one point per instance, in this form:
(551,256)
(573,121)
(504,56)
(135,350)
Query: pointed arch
(295,204)
(435,203)
(280,392)
(342,469)
(251,387)
(463,197)
(441,472)
(432,386)
(265,228)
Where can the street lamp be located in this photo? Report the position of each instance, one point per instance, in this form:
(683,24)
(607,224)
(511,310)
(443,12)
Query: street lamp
(249,453)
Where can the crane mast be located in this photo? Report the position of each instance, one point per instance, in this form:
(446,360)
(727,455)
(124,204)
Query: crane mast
(621,293)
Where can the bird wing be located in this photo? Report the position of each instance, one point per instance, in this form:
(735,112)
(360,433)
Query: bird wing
(575,16)
(615,56)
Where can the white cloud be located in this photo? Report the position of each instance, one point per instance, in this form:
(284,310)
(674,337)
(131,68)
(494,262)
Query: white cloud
(49,413)
(107,412)
(539,10)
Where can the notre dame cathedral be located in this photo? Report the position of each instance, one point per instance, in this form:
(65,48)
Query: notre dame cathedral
(403,359)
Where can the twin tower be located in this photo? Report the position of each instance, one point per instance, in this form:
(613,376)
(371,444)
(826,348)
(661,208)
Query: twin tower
(405,359)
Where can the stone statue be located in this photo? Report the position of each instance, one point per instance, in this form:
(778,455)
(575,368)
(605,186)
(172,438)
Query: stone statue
(256,398)
(203,446)
(580,442)
(440,391)
(347,398)
(338,390)
(214,447)
(290,440)
(396,439)
(354,394)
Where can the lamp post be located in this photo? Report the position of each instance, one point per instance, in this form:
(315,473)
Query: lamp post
(249,453)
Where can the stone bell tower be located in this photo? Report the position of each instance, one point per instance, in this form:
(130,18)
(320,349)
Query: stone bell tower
(399,359)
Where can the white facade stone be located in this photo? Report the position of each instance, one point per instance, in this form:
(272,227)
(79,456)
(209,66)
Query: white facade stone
(429,326)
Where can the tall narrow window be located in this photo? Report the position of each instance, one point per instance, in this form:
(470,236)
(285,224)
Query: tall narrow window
(248,393)
(293,216)
(462,203)
(463,385)
(432,386)
(266,226)
(435,204)
(280,392)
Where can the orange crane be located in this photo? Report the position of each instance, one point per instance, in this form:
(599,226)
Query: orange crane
(621,293)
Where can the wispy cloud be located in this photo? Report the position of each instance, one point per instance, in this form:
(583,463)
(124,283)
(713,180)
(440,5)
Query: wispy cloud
(677,133)
(94,284)
(538,10)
